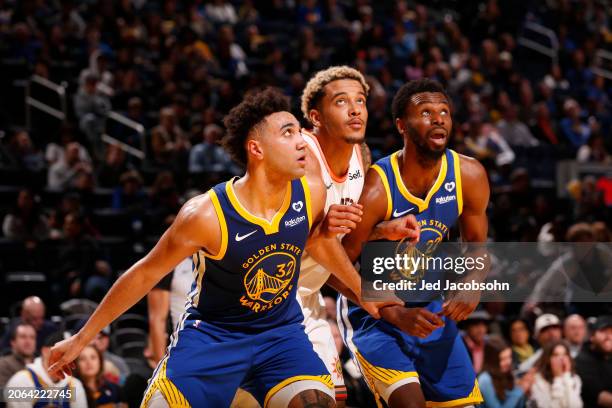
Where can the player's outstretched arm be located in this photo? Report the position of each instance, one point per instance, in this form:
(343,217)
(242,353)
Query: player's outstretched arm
(473,225)
(196,226)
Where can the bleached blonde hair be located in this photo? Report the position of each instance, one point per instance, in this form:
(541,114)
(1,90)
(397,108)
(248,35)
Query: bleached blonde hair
(314,88)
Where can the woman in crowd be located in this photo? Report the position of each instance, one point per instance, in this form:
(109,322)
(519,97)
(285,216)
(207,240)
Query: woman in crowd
(497,384)
(90,370)
(519,338)
(556,384)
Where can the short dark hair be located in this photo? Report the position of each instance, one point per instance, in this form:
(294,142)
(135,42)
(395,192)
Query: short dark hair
(250,112)
(13,333)
(53,338)
(401,100)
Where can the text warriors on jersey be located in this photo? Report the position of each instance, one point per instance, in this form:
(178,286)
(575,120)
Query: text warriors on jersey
(269,276)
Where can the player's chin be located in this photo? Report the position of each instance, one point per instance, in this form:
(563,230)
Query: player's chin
(355,137)
(298,171)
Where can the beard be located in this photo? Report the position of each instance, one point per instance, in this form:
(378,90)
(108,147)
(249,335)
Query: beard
(354,139)
(424,152)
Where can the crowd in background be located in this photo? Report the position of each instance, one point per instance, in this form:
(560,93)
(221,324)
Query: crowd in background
(76,211)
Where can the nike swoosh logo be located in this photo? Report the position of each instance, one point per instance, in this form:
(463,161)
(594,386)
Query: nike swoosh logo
(241,237)
(399,214)
(330,185)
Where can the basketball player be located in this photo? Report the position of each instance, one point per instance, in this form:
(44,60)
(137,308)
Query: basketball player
(430,366)
(243,326)
(334,102)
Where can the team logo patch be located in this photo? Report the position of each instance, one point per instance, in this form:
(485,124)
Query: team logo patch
(298,206)
(450,186)
(268,281)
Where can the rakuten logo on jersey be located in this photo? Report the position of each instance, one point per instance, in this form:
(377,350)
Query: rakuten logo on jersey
(295,221)
(355,175)
(446,199)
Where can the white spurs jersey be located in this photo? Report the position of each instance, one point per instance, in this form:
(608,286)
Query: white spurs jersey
(340,190)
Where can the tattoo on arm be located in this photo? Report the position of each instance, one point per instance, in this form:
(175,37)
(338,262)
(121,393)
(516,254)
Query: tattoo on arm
(366,156)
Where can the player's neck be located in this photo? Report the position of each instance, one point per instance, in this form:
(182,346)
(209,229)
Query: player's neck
(418,173)
(261,194)
(337,152)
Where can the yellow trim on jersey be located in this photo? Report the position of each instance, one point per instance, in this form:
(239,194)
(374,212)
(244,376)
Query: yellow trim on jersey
(475,397)
(222,224)
(174,397)
(269,227)
(384,375)
(383,178)
(308,200)
(422,204)
(325,379)
(457,166)
(198,263)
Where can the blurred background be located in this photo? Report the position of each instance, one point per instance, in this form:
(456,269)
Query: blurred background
(110,114)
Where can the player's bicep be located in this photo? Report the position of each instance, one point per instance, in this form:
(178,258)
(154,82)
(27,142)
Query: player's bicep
(473,221)
(196,227)
(374,201)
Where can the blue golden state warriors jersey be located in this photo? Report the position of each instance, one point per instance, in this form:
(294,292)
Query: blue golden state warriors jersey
(250,285)
(436,214)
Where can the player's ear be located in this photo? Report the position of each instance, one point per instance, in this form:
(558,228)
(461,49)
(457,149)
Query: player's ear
(400,126)
(254,149)
(315,117)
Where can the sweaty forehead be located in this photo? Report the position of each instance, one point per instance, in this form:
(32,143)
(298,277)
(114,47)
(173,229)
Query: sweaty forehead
(428,97)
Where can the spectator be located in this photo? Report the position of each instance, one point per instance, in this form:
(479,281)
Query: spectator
(36,376)
(594,151)
(23,155)
(55,152)
(91,107)
(519,339)
(130,196)
(547,330)
(82,271)
(594,365)
(574,333)
(576,276)
(485,142)
(112,168)
(25,222)
(116,369)
(32,313)
(556,384)
(221,12)
(476,329)
(208,156)
(497,384)
(23,347)
(64,171)
(167,139)
(90,371)
(515,132)
(576,132)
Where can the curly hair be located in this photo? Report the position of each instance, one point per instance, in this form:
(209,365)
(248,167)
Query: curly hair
(401,100)
(313,92)
(245,116)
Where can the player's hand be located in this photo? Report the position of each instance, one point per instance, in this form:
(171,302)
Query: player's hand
(374,308)
(406,227)
(415,321)
(341,219)
(62,356)
(460,304)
